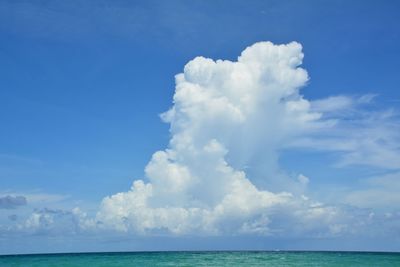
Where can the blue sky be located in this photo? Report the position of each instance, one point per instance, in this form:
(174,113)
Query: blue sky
(82,85)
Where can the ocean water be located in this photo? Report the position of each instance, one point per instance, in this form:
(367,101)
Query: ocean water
(226,258)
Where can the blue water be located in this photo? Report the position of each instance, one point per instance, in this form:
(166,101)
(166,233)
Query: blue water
(226,258)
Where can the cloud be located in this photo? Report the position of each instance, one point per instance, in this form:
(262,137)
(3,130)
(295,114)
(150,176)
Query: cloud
(303,179)
(333,103)
(37,198)
(226,115)
(220,173)
(12,202)
(56,222)
(380,192)
(41,198)
(229,121)
(341,103)
(360,134)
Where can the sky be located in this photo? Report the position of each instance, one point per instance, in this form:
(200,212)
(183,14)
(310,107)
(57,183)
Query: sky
(199,125)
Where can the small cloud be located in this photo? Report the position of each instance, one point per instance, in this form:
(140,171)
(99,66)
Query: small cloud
(12,202)
(303,179)
(366,99)
(41,198)
(380,193)
(333,103)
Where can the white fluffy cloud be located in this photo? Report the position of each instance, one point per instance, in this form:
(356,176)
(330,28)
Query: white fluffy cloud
(220,175)
(225,116)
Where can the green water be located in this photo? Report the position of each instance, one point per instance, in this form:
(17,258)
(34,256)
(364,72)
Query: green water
(206,259)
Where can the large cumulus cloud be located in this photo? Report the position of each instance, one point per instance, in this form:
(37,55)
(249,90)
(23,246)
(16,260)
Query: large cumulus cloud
(220,174)
(226,115)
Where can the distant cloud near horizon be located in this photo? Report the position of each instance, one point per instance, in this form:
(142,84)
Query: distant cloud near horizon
(12,202)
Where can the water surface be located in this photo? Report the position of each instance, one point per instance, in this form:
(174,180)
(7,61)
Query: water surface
(223,258)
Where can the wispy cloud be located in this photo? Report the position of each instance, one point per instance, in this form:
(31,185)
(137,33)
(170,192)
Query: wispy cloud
(362,135)
(380,192)
(37,197)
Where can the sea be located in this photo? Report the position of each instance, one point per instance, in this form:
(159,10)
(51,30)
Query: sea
(220,258)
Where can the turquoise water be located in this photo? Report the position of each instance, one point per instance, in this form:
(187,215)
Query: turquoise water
(264,258)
